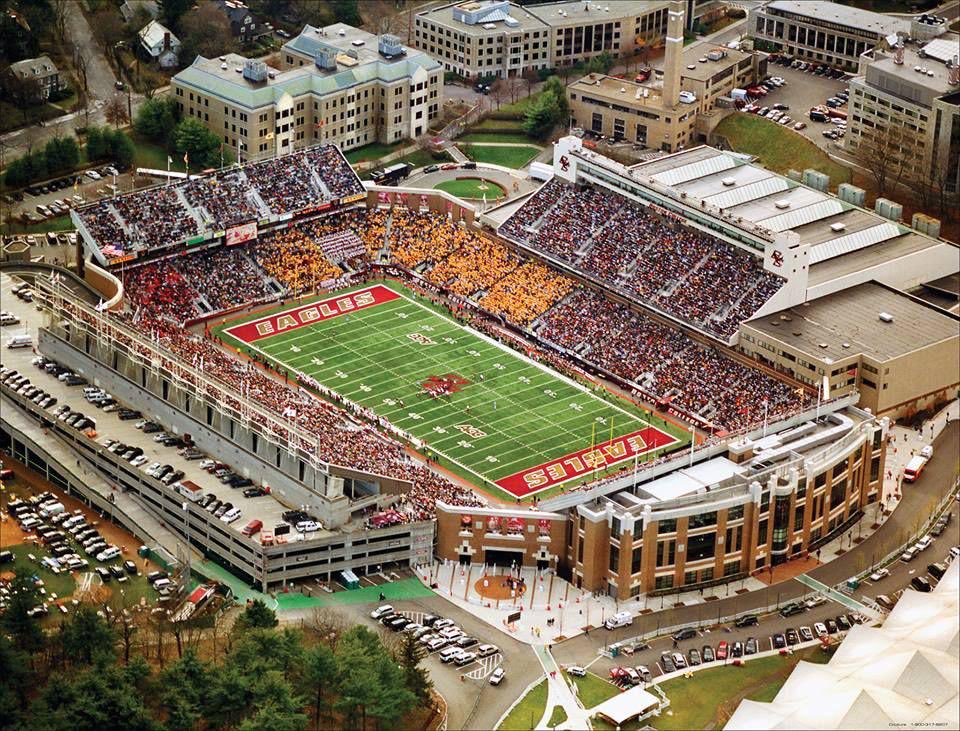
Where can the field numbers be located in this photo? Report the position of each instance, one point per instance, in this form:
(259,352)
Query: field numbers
(576,407)
(524,379)
(500,366)
(601,419)
(390,402)
(550,392)
(465,444)
(341,374)
(439,430)
(414,415)
(427,328)
(295,348)
(471,431)
(474,353)
(450,341)
(365,388)
(316,361)
(491,459)
(403,315)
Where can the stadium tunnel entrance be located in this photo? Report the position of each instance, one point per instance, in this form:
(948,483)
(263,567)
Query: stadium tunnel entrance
(503,556)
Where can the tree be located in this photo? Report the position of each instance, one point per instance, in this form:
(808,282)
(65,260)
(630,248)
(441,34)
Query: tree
(206,32)
(319,673)
(257,615)
(59,9)
(416,678)
(499,91)
(346,11)
(15,621)
(530,77)
(62,153)
(200,144)
(600,64)
(108,29)
(172,10)
(183,684)
(884,152)
(115,112)
(555,84)
(515,84)
(15,671)
(542,116)
(157,118)
(87,638)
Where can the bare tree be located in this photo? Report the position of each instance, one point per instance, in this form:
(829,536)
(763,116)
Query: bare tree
(884,153)
(530,77)
(516,86)
(115,112)
(59,8)
(499,91)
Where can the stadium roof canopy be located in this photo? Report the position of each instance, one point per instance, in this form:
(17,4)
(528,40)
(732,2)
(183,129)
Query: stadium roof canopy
(904,673)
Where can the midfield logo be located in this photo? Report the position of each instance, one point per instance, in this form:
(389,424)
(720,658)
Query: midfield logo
(444,385)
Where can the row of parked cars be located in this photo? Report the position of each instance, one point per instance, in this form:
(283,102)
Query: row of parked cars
(441,635)
(817,69)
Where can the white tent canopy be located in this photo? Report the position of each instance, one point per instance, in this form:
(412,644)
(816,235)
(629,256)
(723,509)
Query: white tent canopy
(904,672)
(627,705)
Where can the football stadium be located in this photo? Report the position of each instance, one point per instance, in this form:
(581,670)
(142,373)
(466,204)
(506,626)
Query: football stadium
(377,366)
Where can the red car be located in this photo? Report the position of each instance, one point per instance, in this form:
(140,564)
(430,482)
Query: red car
(722,650)
(449,166)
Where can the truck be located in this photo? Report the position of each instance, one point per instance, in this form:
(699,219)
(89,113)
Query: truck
(914,468)
(620,619)
(739,95)
(190,490)
(393,174)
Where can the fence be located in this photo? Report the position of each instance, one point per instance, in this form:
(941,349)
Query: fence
(455,128)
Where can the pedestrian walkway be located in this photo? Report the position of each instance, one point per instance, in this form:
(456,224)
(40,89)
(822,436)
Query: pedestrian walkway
(559,694)
(838,596)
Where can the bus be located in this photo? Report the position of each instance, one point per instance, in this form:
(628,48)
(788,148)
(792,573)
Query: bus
(393,174)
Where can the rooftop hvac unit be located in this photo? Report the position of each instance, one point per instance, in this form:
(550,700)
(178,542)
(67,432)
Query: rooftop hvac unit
(886,317)
(851,194)
(489,26)
(782,204)
(254,70)
(816,180)
(729,181)
(390,45)
(837,227)
(326,58)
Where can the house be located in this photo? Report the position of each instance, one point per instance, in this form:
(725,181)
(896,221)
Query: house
(243,24)
(161,44)
(33,80)
(130,7)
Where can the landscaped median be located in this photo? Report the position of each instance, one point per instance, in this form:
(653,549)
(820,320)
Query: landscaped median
(507,155)
(528,711)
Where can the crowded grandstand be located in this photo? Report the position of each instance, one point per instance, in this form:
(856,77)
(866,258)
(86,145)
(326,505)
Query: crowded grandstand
(486,281)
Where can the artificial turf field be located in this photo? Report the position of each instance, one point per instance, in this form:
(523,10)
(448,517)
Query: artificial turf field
(499,418)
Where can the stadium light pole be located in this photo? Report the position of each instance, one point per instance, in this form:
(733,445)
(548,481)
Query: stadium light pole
(693,441)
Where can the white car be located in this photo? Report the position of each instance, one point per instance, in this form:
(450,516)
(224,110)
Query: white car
(496,677)
(577,671)
(815,601)
(108,553)
(138,460)
(381,611)
(820,629)
(93,175)
(308,526)
(879,574)
(151,468)
(923,544)
(485,650)
(451,633)
(207,463)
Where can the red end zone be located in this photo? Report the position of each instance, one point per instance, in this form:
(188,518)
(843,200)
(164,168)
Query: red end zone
(325,309)
(585,461)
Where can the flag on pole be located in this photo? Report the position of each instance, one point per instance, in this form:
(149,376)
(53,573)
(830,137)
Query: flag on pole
(186,158)
(169,160)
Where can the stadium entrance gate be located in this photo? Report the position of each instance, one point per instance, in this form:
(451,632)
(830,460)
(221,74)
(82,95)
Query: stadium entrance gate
(503,556)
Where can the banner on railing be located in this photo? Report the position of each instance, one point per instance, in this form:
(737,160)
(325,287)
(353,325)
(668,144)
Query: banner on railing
(241,233)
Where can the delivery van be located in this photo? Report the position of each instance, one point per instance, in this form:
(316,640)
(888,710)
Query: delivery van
(620,619)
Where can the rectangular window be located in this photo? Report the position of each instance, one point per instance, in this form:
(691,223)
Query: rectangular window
(798,519)
(636,560)
(667,526)
(702,520)
(731,567)
(762,533)
(614,558)
(734,513)
(701,546)
(663,582)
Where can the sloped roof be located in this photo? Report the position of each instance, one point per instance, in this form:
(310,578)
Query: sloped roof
(905,672)
(152,34)
(33,67)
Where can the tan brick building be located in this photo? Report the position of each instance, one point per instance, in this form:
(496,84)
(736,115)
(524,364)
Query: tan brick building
(337,84)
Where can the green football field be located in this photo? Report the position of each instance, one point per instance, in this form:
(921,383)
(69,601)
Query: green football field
(500,419)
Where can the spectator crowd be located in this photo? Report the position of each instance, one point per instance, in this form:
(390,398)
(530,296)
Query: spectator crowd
(686,273)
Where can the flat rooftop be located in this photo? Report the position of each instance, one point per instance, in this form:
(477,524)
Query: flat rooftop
(827,13)
(924,71)
(696,64)
(600,12)
(526,20)
(848,323)
(621,91)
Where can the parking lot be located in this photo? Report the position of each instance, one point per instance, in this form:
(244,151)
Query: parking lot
(802,92)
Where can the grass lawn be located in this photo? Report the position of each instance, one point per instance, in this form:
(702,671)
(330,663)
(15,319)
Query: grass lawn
(518,138)
(592,690)
(528,712)
(12,117)
(711,696)
(151,155)
(59,223)
(61,584)
(511,157)
(504,125)
(518,107)
(777,148)
(472,188)
(497,418)
(557,716)
(371,152)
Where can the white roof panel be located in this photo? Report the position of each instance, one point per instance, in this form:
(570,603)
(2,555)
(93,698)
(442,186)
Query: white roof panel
(695,170)
(942,49)
(853,242)
(736,195)
(801,216)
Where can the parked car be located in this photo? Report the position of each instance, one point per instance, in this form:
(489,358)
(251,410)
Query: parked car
(921,583)
(497,676)
(792,609)
(880,574)
(722,650)
(708,654)
(749,620)
(576,671)
(751,646)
